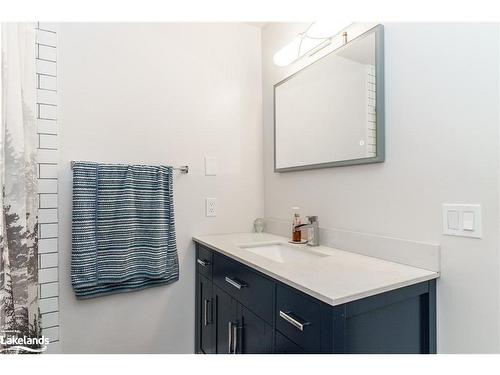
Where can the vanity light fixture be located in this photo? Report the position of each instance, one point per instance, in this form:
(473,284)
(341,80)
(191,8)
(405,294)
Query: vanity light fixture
(317,36)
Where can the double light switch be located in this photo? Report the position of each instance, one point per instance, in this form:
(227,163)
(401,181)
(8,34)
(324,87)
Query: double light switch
(462,220)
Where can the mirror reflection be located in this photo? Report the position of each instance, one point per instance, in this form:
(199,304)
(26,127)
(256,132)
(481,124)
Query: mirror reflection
(326,114)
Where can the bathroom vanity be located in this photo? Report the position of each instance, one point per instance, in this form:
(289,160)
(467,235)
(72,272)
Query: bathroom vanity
(255,293)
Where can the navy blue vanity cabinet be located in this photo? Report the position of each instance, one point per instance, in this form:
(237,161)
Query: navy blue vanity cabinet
(240,310)
(204,303)
(401,321)
(244,308)
(284,345)
(204,261)
(226,322)
(298,317)
(256,335)
(247,286)
(238,330)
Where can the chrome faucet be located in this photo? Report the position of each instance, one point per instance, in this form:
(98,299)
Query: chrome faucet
(314,233)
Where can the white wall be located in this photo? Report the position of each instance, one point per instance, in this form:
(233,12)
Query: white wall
(442,145)
(159,94)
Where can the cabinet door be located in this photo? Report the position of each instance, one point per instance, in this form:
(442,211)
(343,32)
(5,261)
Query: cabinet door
(286,346)
(225,320)
(205,319)
(254,335)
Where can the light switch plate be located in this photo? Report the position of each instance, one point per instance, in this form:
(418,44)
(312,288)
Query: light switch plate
(462,220)
(453,219)
(468,220)
(210,166)
(211,207)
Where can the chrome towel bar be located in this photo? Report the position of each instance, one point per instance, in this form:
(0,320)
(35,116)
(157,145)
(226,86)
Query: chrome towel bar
(182,168)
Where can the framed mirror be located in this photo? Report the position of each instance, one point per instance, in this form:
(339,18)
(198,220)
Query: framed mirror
(331,113)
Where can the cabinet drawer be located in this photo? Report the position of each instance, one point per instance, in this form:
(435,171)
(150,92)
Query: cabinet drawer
(298,317)
(248,287)
(204,261)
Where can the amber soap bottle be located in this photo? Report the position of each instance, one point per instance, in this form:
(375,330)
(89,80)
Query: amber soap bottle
(296,232)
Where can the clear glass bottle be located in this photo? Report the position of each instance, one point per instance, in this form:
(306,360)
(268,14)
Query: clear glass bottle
(258,225)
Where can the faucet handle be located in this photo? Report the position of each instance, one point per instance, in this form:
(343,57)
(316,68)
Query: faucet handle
(312,219)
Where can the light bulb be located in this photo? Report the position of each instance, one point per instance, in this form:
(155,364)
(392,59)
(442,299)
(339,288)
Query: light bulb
(288,54)
(317,36)
(326,29)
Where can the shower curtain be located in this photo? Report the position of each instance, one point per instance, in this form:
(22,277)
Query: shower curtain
(19,312)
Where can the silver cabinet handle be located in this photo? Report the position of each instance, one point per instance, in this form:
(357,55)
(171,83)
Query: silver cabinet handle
(204,263)
(235,337)
(230,337)
(294,320)
(236,284)
(207,301)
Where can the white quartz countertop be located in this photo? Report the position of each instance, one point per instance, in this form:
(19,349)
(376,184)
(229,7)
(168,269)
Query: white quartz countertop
(337,278)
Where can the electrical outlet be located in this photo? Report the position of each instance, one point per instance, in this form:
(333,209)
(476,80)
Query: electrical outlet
(211,206)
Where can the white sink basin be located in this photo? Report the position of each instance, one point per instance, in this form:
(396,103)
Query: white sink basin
(282,252)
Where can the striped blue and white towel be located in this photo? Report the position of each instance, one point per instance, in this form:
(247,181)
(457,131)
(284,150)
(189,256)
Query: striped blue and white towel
(123,228)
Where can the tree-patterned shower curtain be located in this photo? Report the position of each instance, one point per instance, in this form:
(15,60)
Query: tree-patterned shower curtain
(19,312)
